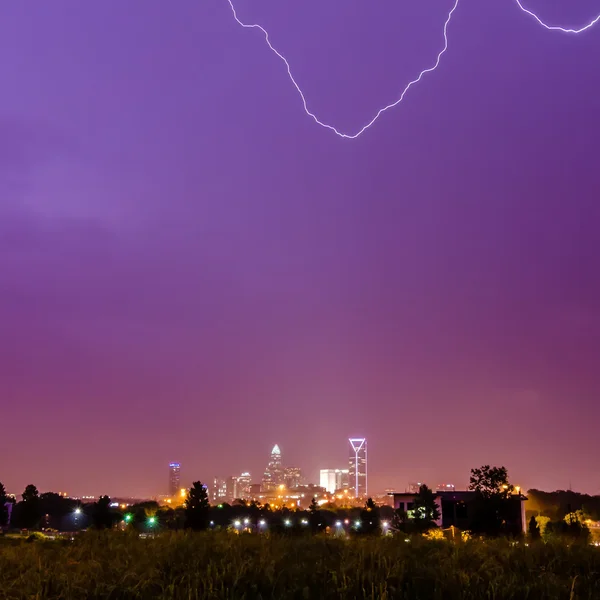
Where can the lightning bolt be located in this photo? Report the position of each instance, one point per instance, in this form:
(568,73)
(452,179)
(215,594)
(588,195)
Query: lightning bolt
(352,136)
(556,27)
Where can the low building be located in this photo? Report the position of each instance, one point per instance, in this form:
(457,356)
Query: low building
(457,509)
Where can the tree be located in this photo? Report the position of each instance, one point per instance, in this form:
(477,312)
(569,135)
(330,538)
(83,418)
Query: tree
(3,509)
(29,509)
(314,516)
(102,517)
(571,527)
(491,482)
(370,518)
(400,520)
(425,510)
(197,507)
(492,505)
(534,529)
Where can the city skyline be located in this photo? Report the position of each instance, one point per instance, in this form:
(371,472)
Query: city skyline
(190,268)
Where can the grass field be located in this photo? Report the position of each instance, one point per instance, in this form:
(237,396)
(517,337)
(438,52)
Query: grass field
(219,565)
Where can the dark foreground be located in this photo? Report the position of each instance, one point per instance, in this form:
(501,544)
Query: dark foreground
(207,566)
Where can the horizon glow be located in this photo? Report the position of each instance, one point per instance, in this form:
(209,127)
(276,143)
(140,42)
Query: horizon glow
(399,100)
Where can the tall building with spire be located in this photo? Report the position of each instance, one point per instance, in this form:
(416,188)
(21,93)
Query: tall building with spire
(357,463)
(274,474)
(174,478)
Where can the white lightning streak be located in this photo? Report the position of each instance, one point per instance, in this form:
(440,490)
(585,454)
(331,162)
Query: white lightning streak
(411,83)
(556,27)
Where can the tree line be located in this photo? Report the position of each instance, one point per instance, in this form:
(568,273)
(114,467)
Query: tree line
(492,513)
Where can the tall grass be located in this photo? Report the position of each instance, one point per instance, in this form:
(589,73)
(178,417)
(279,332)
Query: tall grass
(120,566)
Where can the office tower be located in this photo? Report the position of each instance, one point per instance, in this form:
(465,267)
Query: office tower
(174,478)
(231,492)
(238,487)
(358,466)
(292,477)
(342,479)
(334,479)
(219,490)
(244,481)
(273,476)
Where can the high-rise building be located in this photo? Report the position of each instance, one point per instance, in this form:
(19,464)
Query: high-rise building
(238,487)
(358,466)
(244,481)
(231,489)
(334,479)
(292,477)
(219,490)
(174,478)
(273,473)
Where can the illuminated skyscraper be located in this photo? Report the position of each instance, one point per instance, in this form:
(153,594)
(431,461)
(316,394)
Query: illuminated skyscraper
(358,466)
(273,473)
(292,477)
(174,478)
(334,480)
(237,487)
(219,490)
(244,481)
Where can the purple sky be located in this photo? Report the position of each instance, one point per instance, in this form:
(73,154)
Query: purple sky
(192,270)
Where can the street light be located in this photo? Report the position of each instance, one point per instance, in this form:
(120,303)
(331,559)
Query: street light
(78,511)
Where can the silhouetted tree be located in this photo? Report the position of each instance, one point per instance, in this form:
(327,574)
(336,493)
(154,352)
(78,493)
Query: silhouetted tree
(492,503)
(534,529)
(400,520)
(572,526)
(370,521)
(315,518)
(490,482)
(3,509)
(425,511)
(29,509)
(102,516)
(197,507)
(556,505)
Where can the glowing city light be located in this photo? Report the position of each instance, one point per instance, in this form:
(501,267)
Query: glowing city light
(338,523)
(287,522)
(128,517)
(237,524)
(78,511)
(246,521)
(262,522)
(408,86)
(151,521)
(304,522)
